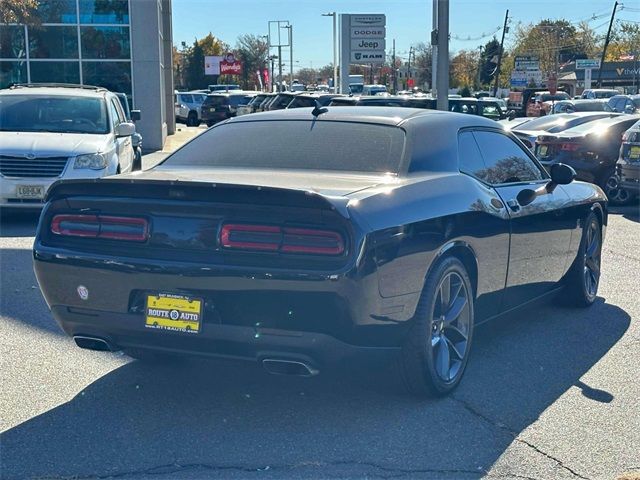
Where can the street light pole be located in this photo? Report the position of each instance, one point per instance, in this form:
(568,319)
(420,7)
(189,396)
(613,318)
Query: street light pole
(335,49)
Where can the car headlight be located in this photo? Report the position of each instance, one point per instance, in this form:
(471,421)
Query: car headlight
(94,161)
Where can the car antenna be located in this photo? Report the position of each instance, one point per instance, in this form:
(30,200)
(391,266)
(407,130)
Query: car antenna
(318,109)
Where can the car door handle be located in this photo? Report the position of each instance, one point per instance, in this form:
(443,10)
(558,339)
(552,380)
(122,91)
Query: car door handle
(513,205)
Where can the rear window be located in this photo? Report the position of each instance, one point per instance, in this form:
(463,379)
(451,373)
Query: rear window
(300,102)
(592,127)
(215,101)
(319,145)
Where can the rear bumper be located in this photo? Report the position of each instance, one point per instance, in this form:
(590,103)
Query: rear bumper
(629,176)
(124,331)
(295,311)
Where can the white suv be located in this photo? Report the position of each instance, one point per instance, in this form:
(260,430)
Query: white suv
(55,131)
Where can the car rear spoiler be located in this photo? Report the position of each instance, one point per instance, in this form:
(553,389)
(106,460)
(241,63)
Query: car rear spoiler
(195,191)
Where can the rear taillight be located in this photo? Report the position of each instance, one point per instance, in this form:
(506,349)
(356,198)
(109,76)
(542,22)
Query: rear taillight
(101,226)
(569,147)
(281,239)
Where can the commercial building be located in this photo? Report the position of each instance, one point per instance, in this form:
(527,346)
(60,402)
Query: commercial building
(122,45)
(624,76)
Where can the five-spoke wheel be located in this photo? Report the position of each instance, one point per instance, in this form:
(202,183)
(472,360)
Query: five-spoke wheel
(436,350)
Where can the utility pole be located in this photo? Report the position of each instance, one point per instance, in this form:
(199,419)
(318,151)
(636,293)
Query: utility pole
(434,47)
(290,56)
(606,44)
(280,68)
(442,80)
(409,67)
(393,68)
(505,29)
(479,80)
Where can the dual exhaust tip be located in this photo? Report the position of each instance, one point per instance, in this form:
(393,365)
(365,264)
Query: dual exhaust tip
(275,366)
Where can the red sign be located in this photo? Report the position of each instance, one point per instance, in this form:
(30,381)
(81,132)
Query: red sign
(411,83)
(265,76)
(230,66)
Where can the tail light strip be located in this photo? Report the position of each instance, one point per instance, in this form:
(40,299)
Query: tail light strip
(101,226)
(281,239)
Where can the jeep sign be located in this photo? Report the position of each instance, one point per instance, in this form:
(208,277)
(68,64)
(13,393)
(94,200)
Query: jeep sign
(364,44)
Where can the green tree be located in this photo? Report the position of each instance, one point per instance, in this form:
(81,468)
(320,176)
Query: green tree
(252,51)
(489,61)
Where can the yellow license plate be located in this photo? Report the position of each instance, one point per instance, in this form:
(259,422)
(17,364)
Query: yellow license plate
(634,152)
(542,151)
(177,313)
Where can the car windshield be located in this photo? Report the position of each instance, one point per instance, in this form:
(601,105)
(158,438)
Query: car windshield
(605,94)
(53,113)
(558,96)
(340,146)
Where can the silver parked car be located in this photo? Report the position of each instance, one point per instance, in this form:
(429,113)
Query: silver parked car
(188,107)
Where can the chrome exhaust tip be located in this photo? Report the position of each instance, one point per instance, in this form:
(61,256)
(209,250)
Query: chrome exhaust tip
(277,366)
(93,343)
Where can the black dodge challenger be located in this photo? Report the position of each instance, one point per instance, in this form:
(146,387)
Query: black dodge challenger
(301,238)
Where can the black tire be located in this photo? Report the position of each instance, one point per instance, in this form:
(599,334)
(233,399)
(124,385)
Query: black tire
(616,194)
(210,124)
(150,356)
(428,346)
(192,119)
(584,275)
(137,161)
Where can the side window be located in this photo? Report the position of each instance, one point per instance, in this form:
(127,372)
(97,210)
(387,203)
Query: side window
(114,114)
(469,157)
(505,161)
(187,98)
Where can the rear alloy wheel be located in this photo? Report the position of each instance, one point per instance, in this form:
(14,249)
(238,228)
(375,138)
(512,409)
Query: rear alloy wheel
(584,277)
(192,119)
(435,355)
(617,194)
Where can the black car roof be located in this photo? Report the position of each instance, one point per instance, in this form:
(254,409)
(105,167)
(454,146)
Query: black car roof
(379,115)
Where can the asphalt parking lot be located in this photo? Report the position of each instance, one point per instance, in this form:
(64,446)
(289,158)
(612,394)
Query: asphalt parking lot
(550,393)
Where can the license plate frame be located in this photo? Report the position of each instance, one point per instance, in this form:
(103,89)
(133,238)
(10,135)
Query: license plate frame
(173,312)
(542,150)
(634,152)
(30,191)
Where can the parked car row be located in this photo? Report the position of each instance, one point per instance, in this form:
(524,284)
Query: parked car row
(602,147)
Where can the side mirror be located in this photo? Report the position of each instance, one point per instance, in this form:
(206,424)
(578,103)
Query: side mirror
(125,129)
(561,174)
(136,115)
(511,114)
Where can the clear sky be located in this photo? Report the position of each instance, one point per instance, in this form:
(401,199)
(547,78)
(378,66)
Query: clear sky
(408,21)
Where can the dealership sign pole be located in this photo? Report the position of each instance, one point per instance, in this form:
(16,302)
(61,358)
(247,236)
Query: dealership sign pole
(362,41)
(587,64)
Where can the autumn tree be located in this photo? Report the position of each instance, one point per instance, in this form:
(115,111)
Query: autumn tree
(464,68)
(19,11)
(625,40)
(554,42)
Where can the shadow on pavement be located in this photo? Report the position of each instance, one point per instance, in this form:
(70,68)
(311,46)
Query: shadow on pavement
(227,419)
(18,223)
(630,212)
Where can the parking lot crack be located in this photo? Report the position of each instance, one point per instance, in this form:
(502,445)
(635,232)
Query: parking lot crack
(501,426)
